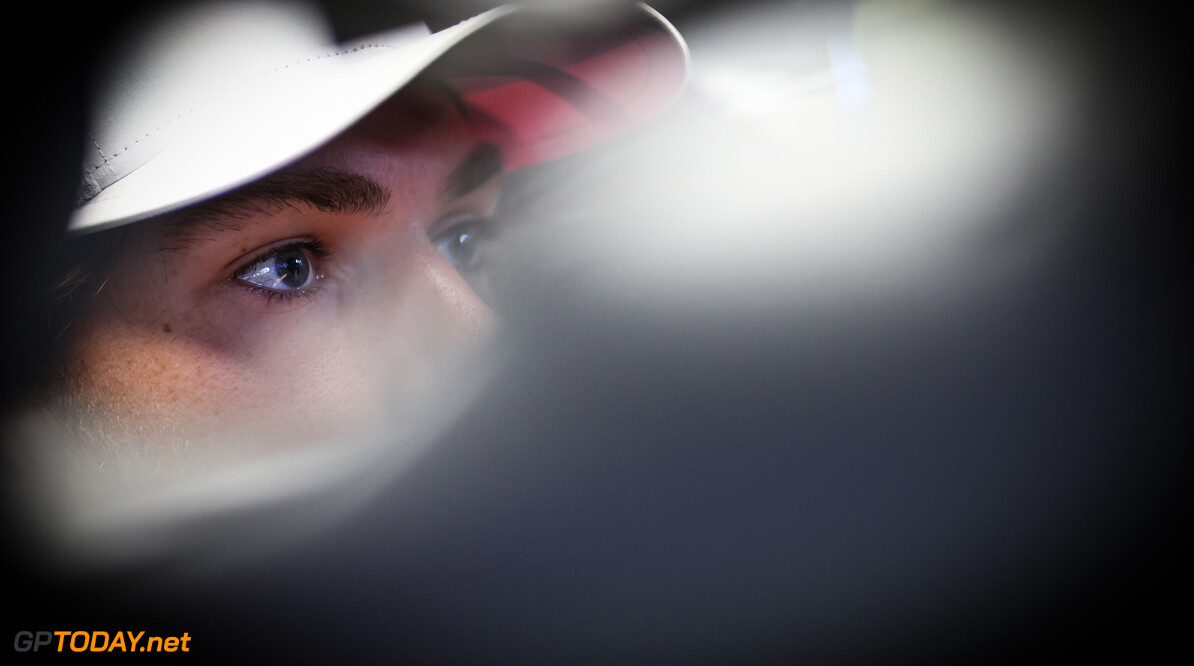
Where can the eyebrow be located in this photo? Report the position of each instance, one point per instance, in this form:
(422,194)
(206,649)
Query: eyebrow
(325,189)
(478,167)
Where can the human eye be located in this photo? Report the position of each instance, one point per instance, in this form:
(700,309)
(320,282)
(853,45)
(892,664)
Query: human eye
(463,242)
(283,270)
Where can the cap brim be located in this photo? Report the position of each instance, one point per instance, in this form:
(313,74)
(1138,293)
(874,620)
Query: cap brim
(551,88)
(555,86)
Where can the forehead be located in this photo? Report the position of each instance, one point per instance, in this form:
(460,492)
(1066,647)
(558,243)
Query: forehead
(423,120)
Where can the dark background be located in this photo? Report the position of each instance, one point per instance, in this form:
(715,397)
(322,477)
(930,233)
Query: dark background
(901,485)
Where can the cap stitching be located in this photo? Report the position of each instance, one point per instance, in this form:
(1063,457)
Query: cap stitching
(166,123)
(98,149)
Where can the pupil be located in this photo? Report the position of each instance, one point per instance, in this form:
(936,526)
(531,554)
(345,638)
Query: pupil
(292,269)
(462,249)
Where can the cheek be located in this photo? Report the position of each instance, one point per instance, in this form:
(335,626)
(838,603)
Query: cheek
(144,381)
(306,375)
(274,381)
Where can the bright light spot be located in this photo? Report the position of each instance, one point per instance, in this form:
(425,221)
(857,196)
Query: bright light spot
(828,146)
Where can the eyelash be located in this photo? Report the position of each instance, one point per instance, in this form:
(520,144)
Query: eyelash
(273,296)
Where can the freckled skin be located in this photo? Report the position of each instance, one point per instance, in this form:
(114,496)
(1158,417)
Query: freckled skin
(174,346)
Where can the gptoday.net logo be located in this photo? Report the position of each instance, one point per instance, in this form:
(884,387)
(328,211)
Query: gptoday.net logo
(99,641)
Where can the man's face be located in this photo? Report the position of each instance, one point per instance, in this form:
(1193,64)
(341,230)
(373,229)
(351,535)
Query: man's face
(300,308)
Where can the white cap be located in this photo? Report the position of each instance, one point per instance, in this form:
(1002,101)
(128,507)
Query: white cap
(208,99)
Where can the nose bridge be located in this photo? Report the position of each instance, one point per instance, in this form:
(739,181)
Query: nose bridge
(442,309)
(462,308)
(431,320)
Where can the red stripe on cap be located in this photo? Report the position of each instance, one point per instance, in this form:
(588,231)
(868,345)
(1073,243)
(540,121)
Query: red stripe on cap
(546,117)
